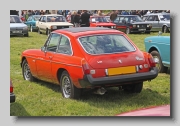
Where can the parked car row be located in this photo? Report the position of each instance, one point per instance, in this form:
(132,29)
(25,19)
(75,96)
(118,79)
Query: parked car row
(126,23)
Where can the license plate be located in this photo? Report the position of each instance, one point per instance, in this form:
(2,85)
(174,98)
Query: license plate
(142,29)
(17,31)
(121,70)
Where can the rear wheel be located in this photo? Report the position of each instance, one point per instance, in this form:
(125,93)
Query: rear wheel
(26,71)
(165,29)
(133,88)
(48,31)
(160,66)
(68,89)
(26,35)
(39,31)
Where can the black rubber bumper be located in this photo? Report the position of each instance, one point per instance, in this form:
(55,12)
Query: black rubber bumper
(12,97)
(120,79)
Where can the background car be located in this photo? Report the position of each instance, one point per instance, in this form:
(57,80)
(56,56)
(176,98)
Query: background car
(159,47)
(159,21)
(101,21)
(31,22)
(12,95)
(132,24)
(163,110)
(49,23)
(17,27)
(89,57)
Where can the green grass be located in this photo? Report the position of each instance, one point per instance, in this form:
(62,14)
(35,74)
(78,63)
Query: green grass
(45,99)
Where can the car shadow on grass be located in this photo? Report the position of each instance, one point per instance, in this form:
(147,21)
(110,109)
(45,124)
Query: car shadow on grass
(116,97)
(16,109)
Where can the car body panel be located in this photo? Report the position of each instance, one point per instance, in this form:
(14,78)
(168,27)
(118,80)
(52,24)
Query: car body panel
(162,45)
(157,22)
(45,65)
(12,95)
(43,24)
(17,27)
(124,21)
(105,23)
(163,110)
(31,21)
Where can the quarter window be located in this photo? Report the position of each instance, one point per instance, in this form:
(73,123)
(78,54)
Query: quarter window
(64,46)
(53,42)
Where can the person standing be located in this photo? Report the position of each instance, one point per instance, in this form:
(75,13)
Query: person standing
(113,15)
(85,19)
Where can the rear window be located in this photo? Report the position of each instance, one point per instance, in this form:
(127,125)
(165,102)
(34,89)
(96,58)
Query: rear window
(108,43)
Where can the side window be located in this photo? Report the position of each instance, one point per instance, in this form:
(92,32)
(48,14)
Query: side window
(43,19)
(64,46)
(121,19)
(53,41)
(151,18)
(156,18)
(116,20)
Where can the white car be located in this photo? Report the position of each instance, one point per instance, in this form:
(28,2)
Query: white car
(49,23)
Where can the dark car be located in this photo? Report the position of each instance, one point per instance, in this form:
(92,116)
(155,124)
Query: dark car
(12,95)
(132,24)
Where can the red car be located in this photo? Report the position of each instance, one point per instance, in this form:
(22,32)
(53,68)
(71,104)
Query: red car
(101,21)
(89,57)
(163,110)
(12,95)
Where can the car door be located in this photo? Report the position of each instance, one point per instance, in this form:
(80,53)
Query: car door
(156,23)
(44,70)
(120,25)
(42,23)
(150,20)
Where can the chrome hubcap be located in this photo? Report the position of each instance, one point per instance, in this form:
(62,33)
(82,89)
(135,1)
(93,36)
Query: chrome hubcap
(66,87)
(27,72)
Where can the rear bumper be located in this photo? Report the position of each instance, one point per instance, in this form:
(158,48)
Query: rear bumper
(12,97)
(89,81)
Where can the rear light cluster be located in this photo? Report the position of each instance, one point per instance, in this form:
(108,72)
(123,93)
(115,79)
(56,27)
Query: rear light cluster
(151,61)
(11,87)
(86,68)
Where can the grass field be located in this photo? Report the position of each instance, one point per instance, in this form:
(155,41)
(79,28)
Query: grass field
(45,99)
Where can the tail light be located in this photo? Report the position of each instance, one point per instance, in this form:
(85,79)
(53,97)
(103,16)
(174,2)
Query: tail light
(151,61)
(11,87)
(85,67)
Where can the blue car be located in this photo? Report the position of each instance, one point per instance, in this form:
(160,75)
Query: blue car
(159,47)
(31,22)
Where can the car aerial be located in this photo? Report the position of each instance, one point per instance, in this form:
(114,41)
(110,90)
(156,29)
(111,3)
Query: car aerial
(159,21)
(12,95)
(31,22)
(101,21)
(89,58)
(17,27)
(159,47)
(49,23)
(161,110)
(132,24)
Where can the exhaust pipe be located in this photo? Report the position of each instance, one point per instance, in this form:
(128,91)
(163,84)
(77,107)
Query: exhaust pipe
(100,91)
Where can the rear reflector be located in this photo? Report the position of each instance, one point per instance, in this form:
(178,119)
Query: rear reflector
(151,61)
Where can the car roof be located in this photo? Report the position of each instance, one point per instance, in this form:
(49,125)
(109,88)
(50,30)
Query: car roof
(157,14)
(84,29)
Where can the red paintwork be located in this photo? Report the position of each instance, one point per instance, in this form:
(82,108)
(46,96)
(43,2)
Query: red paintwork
(92,24)
(163,110)
(47,68)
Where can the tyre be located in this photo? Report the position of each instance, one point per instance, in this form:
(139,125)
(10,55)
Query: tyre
(39,31)
(128,31)
(133,88)
(165,29)
(160,66)
(68,89)
(47,32)
(26,35)
(26,71)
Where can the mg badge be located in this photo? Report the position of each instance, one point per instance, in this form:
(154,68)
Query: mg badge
(120,61)
(137,58)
